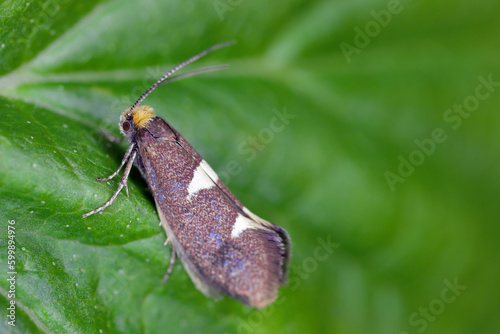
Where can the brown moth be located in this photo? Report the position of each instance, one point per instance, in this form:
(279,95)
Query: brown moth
(224,247)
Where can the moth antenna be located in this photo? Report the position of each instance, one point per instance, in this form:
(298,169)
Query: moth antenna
(195,72)
(175,69)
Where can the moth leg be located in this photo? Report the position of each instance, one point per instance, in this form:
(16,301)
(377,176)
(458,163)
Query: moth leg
(123,183)
(125,157)
(111,138)
(170,267)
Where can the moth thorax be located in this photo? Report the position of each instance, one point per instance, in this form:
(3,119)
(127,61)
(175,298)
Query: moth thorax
(141,116)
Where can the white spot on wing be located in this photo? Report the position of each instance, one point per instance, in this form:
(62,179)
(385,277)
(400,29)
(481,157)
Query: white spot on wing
(206,167)
(203,178)
(242,223)
(258,221)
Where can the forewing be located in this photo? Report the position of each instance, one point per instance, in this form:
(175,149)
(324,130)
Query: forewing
(224,247)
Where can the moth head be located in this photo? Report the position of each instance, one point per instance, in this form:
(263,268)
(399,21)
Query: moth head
(133,119)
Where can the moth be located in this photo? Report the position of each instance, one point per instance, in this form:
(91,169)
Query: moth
(224,247)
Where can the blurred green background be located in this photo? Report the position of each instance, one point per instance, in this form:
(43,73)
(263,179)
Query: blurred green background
(385,171)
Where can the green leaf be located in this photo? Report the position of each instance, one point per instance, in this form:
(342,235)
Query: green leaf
(389,191)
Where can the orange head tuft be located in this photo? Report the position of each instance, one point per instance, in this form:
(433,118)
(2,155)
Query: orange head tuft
(141,116)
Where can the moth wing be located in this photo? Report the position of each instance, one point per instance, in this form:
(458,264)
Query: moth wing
(251,219)
(247,220)
(190,268)
(208,170)
(281,232)
(248,266)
